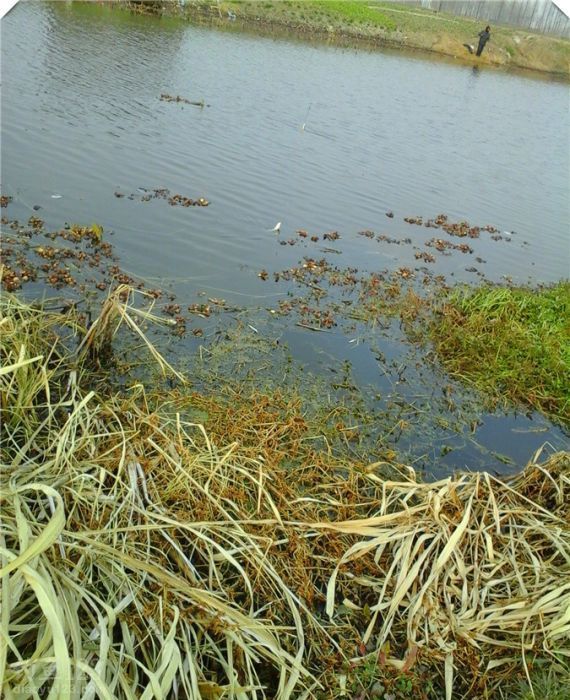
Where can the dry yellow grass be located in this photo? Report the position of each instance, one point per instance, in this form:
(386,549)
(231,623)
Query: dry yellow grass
(145,556)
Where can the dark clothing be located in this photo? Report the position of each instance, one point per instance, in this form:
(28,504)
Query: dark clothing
(484,37)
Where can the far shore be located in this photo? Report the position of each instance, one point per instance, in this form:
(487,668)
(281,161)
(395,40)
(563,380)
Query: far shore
(379,25)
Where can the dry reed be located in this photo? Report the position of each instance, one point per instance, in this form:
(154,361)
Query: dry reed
(145,556)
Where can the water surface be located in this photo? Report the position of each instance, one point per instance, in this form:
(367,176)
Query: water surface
(81,117)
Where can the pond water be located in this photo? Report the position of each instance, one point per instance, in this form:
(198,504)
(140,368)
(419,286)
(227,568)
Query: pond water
(82,118)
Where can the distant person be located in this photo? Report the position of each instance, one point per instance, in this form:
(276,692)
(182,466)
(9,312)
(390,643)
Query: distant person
(484,37)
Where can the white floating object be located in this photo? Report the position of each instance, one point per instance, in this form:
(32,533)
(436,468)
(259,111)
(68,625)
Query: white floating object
(56,196)
(276,228)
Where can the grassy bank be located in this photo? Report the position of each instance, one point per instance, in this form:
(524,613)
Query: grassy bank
(145,554)
(511,343)
(387,24)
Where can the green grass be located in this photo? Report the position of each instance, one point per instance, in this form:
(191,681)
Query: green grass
(353,11)
(550,681)
(513,343)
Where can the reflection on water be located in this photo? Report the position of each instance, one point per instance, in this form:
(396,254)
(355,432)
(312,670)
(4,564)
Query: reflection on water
(81,116)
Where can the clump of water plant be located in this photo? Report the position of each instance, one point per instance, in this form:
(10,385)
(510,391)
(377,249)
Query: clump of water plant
(513,343)
(142,555)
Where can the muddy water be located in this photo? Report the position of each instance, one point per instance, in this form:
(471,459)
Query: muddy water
(82,118)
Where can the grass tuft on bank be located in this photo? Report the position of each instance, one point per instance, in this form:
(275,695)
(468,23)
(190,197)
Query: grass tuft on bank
(512,343)
(145,554)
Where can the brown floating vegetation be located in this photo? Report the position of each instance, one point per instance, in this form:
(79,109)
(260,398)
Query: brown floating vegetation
(78,248)
(143,550)
(163,193)
(426,257)
(443,245)
(458,228)
(176,98)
